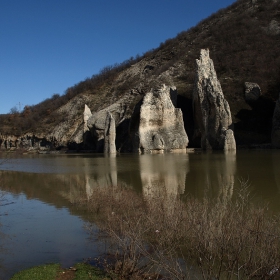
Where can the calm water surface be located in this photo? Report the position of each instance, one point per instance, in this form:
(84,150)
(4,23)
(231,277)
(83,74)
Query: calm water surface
(41,225)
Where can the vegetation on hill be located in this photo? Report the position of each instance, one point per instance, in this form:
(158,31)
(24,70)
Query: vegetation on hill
(244,43)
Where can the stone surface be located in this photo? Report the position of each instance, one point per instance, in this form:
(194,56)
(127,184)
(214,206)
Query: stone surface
(87,115)
(97,121)
(161,126)
(273,27)
(275,133)
(110,135)
(229,141)
(212,114)
(252,91)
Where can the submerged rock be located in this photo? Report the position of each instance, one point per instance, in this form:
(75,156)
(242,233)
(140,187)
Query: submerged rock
(212,114)
(161,126)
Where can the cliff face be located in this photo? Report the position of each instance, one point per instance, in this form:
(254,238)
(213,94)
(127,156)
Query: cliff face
(244,44)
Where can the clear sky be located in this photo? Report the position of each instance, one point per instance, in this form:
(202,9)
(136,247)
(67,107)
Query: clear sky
(47,46)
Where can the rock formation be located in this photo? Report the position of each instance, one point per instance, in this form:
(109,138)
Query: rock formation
(275,133)
(161,126)
(212,114)
(273,28)
(110,135)
(252,92)
(87,115)
(120,111)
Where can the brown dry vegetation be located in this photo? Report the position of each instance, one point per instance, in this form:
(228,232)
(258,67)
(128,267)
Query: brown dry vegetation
(167,238)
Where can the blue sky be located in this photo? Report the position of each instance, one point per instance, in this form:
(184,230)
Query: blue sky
(50,45)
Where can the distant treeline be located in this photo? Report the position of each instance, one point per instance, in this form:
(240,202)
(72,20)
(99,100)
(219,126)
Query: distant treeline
(18,122)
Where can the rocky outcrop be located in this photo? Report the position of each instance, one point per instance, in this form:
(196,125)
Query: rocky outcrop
(275,133)
(110,135)
(27,142)
(120,111)
(87,115)
(252,92)
(273,28)
(212,114)
(161,126)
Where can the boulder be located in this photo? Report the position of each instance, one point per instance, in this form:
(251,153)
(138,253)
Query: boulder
(275,133)
(212,114)
(252,92)
(110,135)
(161,126)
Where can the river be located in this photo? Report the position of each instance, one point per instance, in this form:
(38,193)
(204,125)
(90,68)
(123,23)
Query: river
(40,224)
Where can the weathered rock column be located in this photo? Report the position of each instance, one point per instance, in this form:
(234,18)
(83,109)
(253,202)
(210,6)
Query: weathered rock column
(110,135)
(87,115)
(161,126)
(211,110)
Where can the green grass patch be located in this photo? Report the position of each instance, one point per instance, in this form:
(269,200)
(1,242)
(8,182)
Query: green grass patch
(41,272)
(54,272)
(86,271)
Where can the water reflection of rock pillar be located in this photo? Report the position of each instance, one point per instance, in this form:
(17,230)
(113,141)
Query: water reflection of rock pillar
(103,175)
(112,170)
(89,189)
(226,176)
(163,174)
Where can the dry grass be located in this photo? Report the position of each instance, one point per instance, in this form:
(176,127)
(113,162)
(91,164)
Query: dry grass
(166,238)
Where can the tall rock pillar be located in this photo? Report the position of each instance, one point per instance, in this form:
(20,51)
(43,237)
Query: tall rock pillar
(87,115)
(211,110)
(110,135)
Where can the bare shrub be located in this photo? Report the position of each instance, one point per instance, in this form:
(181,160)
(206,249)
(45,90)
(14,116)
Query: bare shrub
(167,238)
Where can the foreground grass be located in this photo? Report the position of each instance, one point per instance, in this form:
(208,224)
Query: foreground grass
(54,272)
(42,272)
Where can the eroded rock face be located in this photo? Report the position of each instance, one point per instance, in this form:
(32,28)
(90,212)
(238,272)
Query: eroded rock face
(110,135)
(275,133)
(161,126)
(252,92)
(27,141)
(87,115)
(274,27)
(212,114)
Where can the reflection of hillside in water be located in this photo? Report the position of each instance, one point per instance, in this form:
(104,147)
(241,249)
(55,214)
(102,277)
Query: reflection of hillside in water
(158,174)
(59,190)
(197,174)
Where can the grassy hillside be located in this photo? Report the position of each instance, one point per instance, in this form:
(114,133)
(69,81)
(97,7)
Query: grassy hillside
(244,43)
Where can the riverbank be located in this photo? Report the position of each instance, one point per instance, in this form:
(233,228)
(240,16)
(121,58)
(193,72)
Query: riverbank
(79,271)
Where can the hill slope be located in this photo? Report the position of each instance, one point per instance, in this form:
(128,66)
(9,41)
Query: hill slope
(244,43)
